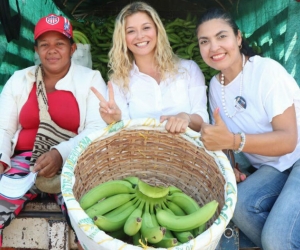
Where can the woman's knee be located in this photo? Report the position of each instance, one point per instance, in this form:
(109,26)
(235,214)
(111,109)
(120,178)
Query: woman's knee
(281,233)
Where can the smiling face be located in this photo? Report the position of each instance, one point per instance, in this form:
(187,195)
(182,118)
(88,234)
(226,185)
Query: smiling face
(55,51)
(219,46)
(140,34)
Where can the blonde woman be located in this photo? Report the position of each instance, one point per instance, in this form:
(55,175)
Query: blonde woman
(147,79)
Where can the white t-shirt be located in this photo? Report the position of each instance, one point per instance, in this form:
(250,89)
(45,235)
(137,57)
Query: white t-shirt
(185,92)
(268,90)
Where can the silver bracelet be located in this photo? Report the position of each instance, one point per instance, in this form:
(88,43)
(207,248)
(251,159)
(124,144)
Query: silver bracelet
(242,144)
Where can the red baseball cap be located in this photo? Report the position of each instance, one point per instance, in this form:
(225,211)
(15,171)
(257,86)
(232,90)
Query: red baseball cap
(53,22)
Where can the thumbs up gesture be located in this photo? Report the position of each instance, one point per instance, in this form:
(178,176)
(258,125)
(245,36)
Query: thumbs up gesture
(217,136)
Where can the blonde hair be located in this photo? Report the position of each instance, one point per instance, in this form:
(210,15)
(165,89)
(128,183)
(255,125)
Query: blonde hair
(121,59)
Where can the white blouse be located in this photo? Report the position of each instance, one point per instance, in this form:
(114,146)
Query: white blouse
(185,92)
(268,90)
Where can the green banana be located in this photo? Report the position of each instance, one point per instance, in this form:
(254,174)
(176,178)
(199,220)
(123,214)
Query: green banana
(174,38)
(108,204)
(77,25)
(134,221)
(150,232)
(81,37)
(185,202)
(132,179)
(170,30)
(174,189)
(166,243)
(137,239)
(118,234)
(169,240)
(186,222)
(121,208)
(104,45)
(152,191)
(199,230)
(93,26)
(76,40)
(110,224)
(184,236)
(191,47)
(103,38)
(176,22)
(180,51)
(103,190)
(175,208)
(103,59)
(187,40)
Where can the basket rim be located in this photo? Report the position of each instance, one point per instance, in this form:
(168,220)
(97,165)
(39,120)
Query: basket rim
(214,232)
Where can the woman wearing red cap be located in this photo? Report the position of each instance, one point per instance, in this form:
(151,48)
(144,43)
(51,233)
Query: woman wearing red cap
(148,79)
(57,89)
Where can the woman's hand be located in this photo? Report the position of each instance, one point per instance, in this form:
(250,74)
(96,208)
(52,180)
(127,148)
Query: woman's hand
(48,164)
(239,176)
(217,136)
(176,123)
(109,110)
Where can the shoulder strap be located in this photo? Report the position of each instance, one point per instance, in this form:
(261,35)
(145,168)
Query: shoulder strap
(41,94)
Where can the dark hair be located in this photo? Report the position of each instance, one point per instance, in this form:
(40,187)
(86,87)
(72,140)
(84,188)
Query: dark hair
(217,13)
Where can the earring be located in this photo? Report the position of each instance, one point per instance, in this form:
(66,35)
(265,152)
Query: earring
(240,47)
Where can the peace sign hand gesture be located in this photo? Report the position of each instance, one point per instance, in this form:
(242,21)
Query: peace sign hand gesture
(108,110)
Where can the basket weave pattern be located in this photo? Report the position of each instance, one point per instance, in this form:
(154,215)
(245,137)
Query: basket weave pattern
(144,149)
(157,157)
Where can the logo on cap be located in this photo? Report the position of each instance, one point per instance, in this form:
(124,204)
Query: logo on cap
(52,20)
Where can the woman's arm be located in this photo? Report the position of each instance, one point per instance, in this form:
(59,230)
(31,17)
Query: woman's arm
(196,100)
(8,118)
(280,141)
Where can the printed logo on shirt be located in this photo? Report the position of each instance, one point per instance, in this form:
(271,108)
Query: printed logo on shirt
(240,103)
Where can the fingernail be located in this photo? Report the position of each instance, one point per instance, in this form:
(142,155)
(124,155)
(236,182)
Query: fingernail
(243,177)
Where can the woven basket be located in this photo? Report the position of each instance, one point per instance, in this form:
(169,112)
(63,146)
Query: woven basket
(143,148)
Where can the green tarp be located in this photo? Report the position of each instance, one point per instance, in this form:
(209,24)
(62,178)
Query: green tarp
(274,24)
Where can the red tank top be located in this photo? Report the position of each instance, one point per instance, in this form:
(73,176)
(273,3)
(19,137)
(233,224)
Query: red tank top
(63,109)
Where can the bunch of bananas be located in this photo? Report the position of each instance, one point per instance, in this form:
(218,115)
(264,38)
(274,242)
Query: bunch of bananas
(136,212)
(184,42)
(80,37)
(100,36)
(181,34)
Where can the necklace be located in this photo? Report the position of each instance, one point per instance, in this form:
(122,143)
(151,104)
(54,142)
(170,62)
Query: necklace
(223,91)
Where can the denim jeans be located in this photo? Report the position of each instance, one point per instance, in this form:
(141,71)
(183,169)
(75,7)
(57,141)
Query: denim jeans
(268,208)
